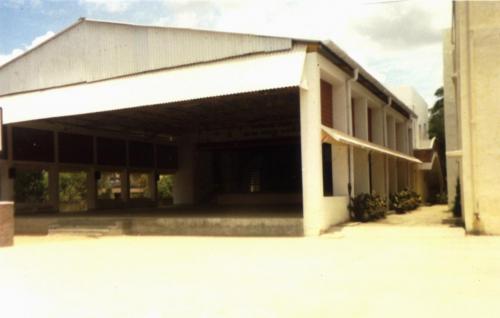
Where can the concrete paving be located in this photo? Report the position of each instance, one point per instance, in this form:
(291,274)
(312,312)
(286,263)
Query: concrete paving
(395,268)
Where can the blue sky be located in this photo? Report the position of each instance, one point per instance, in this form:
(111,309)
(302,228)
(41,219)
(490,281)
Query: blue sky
(398,41)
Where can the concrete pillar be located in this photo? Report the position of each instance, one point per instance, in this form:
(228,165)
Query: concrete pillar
(393,175)
(340,117)
(391,132)
(361,118)
(91,180)
(360,157)
(378,126)
(6,183)
(183,179)
(204,177)
(402,137)
(349,151)
(153,185)
(54,186)
(6,224)
(402,174)
(311,151)
(386,158)
(91,189)
(378,173)
(340,170)
(361,171)
(54,175)
(125,185)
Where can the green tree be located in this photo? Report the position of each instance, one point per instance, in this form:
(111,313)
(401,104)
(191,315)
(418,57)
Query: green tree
(31,186)
(436,126)
(165,187)
(72,186)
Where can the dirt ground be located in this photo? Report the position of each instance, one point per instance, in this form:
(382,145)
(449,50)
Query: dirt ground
(405,266)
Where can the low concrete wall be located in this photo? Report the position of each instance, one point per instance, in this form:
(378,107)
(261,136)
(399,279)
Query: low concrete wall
(260,198)
(6,224)
(158,225)
(335,211)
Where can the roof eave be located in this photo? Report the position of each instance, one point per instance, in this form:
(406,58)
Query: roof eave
(340,58)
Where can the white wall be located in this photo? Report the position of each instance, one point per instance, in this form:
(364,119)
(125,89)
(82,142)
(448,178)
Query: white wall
(321,212)
(311,151)
(416,102)
(361,118)
(334,211)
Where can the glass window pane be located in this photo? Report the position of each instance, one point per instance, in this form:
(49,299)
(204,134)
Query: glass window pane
(109,186)
(165,187)
(31,186)
(72,191)
(140,185)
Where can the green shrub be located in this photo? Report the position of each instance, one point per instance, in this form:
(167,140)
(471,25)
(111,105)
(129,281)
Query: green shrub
(441,198)
(437,198)
(367,207)
(404,200)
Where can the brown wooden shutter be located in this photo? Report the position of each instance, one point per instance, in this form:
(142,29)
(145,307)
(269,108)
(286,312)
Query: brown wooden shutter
(326,104)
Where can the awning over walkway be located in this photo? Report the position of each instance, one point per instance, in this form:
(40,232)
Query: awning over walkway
(234,76)
(331,135)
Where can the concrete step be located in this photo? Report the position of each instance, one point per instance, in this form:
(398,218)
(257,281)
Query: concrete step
(86,227)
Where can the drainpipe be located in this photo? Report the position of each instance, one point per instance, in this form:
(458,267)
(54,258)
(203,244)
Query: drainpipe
(386,143)
(354,78)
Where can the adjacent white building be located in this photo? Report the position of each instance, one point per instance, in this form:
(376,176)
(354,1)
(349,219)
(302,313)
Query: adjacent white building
(471,81)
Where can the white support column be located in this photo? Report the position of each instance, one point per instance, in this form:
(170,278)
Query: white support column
(91,189)
(183,185)
(339,98)
(360,157)
(54,176)
(361,118)
(348,151)
(311,151)
(152,184)
(54,186)
(378,128)
(125,185)
(91,180)
(386,158)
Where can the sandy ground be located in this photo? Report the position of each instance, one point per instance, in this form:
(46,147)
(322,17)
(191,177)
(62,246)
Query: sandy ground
(405,266)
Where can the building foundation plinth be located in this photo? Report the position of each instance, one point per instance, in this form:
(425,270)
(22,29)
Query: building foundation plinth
(6,224)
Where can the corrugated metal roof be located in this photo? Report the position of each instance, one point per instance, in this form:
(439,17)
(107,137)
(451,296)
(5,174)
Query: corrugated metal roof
(91,51)
(239,75)
(333,135)
(112,49)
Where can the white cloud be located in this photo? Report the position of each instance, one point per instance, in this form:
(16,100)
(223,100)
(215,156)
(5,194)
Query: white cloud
(395,41)
(4,58)
(111,6)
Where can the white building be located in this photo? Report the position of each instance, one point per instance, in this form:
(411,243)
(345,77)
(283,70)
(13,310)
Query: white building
(430,177)
(471,81)
(234,118)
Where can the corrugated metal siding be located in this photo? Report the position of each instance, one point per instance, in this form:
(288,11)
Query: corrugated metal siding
(244,74)
(94,51)
(59,62)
